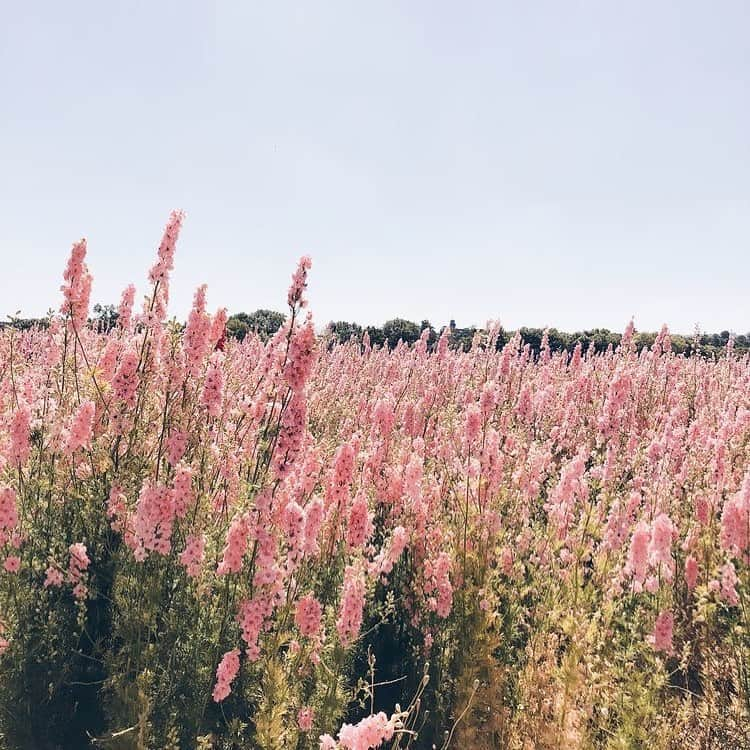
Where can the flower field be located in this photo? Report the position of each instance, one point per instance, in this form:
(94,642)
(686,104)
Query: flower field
(208,543)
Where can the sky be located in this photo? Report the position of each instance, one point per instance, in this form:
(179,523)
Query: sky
(570,164)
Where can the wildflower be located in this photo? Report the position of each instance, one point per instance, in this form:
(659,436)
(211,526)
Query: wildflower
(638,553)
(359,526)
(20,429)
(154,519)
(182,492)
(176,444)
(301,356)
(729,581)
(313,522)
(213,387)
(8,510)
(299,283)
(307,616)
(352,603)
(369,733)
(660,544)
(53,577)
(735,521)
(661,638)
(236,546)
(125,308)
(225,674)
(79,434)
(77,287)
(305,718)
(691,572)
(196,339)
(192,556)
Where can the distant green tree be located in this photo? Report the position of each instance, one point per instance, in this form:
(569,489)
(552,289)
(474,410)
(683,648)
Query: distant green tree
(342,331)
(399,329)
(644,340)
(432,337)
(462,338)
(532,337)
(601,338)
(376,335)
(105,317)
(237,328)
(558,341)
(263,322)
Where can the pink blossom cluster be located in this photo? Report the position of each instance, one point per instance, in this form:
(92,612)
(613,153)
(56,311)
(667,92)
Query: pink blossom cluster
(77,567)
(307,616)
(77,287)
(225,674)
(351,606)
(369,733)
(8,513)
(81,427)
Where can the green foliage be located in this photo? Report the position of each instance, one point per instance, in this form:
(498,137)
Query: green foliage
(341,331)
(263,322)
(105,317)
(399,329)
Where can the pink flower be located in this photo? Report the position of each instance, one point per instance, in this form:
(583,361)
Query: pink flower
(305,718)
(183,490)
(165,255)
(337,489)
(691,572)
(12,564)
(77,287)
(192,556)
(313,522)
(349,621)
(661,638)
(473,424)
(8,511)
(81,427)
(301,357)
(638,554)
(735,521)
(307,616)
(293,525)
(251,617)
(225,674)
(660,545)
(176,445)
(125,382)
(389,557)
(153,521)
(20,429)
(197,332)
(299,283)
(359,526)
(77,567)
(368,734)
(437,574)
(236,546)
(125,309)
(291,434)
(729,581)
(54,577)
(213,386)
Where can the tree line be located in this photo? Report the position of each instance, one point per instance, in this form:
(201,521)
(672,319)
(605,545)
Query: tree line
(266,323)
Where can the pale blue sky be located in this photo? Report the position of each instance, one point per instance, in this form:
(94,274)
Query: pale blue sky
(544,163)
